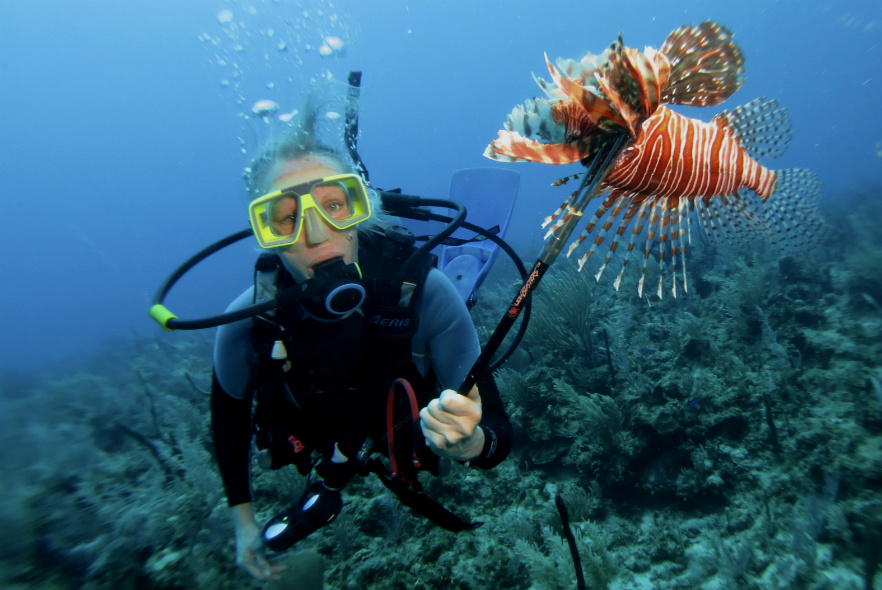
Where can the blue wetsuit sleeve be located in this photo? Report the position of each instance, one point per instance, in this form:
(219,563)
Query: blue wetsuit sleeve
(452,347)
(234,356)
(450,342)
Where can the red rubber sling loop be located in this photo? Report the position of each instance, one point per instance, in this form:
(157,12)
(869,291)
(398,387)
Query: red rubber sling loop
(390,420)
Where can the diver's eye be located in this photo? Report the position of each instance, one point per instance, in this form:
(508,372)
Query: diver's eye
(334,207)
(285,226)
(283,213)
(333,198)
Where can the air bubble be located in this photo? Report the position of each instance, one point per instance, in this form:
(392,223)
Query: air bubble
(264,108)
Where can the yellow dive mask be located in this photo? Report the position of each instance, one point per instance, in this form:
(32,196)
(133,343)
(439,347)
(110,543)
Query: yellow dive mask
(278,218)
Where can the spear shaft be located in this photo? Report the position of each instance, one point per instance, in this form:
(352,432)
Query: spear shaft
(595,173)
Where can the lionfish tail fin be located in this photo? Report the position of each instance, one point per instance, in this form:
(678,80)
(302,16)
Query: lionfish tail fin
(762,128)
(707,67)
(791,212)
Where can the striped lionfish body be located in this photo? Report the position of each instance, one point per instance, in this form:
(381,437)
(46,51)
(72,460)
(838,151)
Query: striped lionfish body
(674,168)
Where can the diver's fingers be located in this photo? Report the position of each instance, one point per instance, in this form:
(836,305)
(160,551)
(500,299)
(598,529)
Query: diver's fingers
(260,568)
(442,434)
(269,573)
(270,569)
(251,563)
(459,405)
(275,569)
(437,410)
(434,439)
(429,422)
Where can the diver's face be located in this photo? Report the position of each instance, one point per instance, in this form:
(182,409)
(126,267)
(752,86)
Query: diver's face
(318,242)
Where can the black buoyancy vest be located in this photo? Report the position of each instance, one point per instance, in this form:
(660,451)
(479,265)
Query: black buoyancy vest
(332,385)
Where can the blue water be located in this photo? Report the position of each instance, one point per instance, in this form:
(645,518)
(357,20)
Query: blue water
(120,152)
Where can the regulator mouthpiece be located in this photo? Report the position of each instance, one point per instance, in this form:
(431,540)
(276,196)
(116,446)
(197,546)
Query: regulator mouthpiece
(335,290)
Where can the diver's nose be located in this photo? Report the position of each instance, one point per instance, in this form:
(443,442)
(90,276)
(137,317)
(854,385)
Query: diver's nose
(317,231)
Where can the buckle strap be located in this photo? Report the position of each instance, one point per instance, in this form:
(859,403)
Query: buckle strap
(390,423)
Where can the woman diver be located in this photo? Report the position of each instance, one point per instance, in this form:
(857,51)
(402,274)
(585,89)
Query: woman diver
(370,343)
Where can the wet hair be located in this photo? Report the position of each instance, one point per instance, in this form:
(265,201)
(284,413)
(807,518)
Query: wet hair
(312,132)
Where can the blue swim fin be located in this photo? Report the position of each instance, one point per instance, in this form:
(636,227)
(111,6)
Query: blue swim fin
(489,196)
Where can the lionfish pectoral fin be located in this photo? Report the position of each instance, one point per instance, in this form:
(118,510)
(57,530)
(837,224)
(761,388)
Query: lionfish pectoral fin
(707,66)
(629,116)
(595,106)
(633,81)
(514,147)
(489,152)
(762,128)
(534,119)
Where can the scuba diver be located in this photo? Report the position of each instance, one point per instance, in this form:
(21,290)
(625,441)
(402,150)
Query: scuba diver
(361,358)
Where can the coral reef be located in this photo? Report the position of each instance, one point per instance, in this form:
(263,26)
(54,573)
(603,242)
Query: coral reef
(729,438)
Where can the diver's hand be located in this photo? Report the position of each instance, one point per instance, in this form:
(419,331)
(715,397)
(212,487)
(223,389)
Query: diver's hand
(249,545)
(450,425)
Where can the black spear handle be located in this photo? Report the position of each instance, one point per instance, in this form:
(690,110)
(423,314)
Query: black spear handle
(595,172)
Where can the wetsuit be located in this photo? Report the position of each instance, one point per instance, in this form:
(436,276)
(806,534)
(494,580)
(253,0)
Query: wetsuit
(445,343)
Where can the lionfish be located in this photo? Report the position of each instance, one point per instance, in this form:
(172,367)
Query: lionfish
(673,168)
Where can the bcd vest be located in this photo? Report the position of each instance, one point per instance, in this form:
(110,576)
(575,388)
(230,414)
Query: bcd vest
(325,387)
(330,388)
